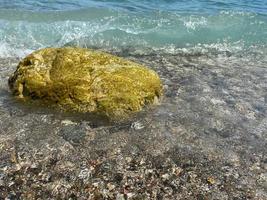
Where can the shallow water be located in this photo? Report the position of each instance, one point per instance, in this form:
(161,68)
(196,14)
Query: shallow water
(208,135)
(211,123)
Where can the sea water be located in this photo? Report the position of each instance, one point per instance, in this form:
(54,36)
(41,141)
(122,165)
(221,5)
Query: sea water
(168,25)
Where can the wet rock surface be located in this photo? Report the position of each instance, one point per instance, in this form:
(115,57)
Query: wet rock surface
(207,140)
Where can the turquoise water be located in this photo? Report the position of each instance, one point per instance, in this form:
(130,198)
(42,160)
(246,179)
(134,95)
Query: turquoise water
(169,25)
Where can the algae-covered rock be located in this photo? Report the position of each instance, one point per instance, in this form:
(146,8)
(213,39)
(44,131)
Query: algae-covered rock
(85,80)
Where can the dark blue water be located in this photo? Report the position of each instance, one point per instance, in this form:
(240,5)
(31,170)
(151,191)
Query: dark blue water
(233,25)
(184,6)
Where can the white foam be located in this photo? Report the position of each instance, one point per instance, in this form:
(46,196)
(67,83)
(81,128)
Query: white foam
(192,23)
(6,51)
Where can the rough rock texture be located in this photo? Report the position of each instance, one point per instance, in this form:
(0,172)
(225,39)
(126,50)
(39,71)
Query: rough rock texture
(85,80)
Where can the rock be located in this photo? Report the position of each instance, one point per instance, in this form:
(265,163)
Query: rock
(165,177)
(110,186)
(84,80)
(211,180)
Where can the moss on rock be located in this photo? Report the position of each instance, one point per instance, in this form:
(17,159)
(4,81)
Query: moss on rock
(85,80)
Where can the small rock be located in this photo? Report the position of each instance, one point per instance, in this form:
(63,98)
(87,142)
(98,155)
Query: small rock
(142,161)
(68,122)
(165,176)
(96,184)
(110,186)
(177,170)
(120,197)
(137,125)
(130,195)
(211,180)
(128,159)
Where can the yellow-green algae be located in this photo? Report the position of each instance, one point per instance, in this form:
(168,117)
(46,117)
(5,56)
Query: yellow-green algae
(85,80)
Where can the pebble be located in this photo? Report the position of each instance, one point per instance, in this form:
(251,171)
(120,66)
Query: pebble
(137,125)
(110,186)
(165,176)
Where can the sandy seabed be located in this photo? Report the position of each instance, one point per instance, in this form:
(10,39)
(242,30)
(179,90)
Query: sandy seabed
(207,140)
